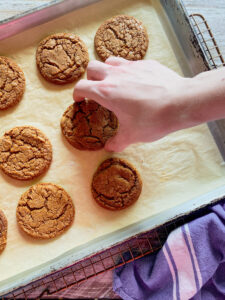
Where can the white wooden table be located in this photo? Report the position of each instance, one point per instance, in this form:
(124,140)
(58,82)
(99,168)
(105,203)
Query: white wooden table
(212,10)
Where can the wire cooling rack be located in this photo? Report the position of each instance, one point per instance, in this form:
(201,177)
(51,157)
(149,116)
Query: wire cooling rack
(207,40)
(137,246)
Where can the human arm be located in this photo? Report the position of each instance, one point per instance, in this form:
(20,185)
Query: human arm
(151,100)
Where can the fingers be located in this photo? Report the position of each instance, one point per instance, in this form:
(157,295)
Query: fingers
(97,70)
(117,143)
(117,61)
(94,90)
(84,89)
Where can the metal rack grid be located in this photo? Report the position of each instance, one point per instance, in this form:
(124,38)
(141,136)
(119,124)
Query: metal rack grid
(207,40)
(137,246)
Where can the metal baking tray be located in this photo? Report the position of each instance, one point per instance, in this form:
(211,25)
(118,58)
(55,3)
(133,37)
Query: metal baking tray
(178,27)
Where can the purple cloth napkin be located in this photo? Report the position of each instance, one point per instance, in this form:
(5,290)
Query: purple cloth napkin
(191,264)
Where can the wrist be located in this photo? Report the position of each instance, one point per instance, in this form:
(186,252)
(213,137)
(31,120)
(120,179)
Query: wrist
(182,105)
(208,96)
(191,101)
(200,99)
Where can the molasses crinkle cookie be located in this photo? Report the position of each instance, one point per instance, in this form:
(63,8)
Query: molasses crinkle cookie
(122,36)
(116,184)
(62,58)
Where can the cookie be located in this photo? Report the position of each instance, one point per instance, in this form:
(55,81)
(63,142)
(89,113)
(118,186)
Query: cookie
(87,125)
(3,231)
(12,83)
(25,153)
(62,58)
(116,184)
(45,211)
(122,36)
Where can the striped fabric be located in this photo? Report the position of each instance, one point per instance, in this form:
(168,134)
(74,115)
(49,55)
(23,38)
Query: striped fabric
(183,264)
(191,264)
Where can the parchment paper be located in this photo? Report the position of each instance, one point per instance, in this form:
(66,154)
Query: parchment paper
(175,169)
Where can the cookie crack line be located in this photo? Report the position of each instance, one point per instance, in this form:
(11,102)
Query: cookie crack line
(40,208)
(20,151)
(69,66)
(107,125)
(117,193)
(60,37)
(124,46)
(8,78)
(89,125)
(24,144)
(118,162)
(71,57)
(79,110)
(115,33)
(120,202)
(91,136)
(50,63)
(13,70)
(32,208)
(62,213)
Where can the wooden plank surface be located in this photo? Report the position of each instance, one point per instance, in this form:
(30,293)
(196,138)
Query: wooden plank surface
(212,10)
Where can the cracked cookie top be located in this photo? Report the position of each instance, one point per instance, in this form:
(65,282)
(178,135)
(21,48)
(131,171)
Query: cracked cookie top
(3,231)
(116,184)
(45,211)
(12,83)
(62,58)
(87,125)
(122,36)
(25,153)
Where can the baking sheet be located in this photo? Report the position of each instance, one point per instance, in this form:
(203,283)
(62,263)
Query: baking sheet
(175,169)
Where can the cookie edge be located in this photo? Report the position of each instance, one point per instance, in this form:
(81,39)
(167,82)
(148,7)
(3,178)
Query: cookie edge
(5,224)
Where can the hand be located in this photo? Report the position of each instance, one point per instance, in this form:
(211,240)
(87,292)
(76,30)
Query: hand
(144,95)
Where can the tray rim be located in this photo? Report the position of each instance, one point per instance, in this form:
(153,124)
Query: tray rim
(39,15)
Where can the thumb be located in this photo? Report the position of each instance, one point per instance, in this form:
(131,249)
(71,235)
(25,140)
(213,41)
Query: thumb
(117,143)
(117,61)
